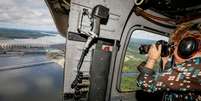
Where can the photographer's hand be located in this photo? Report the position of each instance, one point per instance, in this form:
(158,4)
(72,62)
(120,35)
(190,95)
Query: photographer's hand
(153,55)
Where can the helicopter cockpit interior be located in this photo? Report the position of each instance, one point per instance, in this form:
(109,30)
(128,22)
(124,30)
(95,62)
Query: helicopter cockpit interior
(96,50)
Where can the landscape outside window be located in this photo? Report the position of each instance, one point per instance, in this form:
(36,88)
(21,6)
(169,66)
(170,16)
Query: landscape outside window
(28,34)
(132,58)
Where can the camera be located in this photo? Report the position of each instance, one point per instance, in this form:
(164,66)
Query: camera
(165,51)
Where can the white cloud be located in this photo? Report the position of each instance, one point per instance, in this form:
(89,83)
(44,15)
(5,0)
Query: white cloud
(141,34)
(26,13)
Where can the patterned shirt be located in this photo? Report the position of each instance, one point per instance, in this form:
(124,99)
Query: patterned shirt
(183,77)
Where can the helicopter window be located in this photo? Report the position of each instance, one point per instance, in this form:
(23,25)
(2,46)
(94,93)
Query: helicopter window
(132,58)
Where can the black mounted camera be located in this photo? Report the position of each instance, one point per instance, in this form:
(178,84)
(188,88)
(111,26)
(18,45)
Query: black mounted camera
(166,48)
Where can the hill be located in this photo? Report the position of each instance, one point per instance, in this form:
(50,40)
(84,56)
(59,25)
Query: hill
(23,33)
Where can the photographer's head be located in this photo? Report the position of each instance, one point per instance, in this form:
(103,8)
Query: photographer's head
(187,43)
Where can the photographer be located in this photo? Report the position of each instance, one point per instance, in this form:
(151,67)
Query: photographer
(185,72)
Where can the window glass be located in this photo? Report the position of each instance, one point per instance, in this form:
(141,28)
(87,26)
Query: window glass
(132,58)
(28,34)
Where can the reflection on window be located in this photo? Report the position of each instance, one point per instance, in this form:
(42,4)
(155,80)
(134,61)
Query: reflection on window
(133,58)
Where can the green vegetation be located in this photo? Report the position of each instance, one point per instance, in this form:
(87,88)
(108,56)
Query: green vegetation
(23,33)
(131,61)
(129,84)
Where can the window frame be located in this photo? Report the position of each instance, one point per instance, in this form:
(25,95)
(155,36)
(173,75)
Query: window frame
(125,46)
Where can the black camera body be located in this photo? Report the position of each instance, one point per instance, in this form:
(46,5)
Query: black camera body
(166,48)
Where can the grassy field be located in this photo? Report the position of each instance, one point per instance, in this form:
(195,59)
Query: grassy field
(131,61)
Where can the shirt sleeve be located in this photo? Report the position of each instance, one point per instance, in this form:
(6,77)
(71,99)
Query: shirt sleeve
(170,79)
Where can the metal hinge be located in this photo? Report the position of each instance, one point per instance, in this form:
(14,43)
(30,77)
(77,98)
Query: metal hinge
(61,6)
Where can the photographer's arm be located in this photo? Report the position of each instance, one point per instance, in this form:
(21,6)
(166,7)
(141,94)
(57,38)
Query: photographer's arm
(145,79)
(148,80)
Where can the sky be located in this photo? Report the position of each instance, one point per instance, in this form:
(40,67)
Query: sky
(26,14)
(140,34)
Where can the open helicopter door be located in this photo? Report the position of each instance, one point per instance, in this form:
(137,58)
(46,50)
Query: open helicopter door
(111,31)
(74,46)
